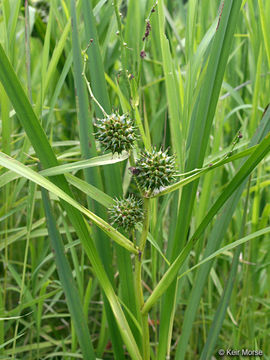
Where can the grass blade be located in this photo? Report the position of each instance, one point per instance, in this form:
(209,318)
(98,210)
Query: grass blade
(199,132)
(68,283)
(206,109)
(30,174)
(171,89)
(90,190)
(107,159)
(227,248)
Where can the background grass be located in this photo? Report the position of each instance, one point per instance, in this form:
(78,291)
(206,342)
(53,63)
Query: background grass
(67,287)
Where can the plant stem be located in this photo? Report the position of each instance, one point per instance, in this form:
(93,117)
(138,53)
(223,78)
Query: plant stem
(123,48)
(144,42)
(138,282)
(88,83)
(145,225)
(133,164)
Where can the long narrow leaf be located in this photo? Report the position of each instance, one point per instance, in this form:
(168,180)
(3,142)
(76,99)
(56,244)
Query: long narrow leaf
(199,132)
(107,159)
(30,174)
(66,278)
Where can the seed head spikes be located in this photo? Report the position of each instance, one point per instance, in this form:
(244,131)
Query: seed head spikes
(116,132)
(126,213)
(155,169)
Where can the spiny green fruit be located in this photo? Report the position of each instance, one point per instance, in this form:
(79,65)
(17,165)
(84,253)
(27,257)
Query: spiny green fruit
(116,132)
(155,169)
(126,213)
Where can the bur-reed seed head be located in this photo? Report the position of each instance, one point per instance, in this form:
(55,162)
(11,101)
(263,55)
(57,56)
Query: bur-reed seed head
(155,169)
(126,213)
(116,132)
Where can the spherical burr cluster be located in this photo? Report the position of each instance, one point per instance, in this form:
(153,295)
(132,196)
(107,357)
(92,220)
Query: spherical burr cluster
(126,213)
(116,132)
(155,169)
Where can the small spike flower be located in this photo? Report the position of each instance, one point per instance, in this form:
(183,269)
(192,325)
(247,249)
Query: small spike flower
(155,169)
(116,132)
(126,213)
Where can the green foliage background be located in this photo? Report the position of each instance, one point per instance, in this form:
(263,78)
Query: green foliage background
(198,85)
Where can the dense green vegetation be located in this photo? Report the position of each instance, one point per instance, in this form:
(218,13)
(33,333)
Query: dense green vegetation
(134,179)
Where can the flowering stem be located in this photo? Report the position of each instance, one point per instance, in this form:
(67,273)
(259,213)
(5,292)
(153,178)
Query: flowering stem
(138,281)
(88,83)
(123,46)
(145,225)
(133,164)
(144,41)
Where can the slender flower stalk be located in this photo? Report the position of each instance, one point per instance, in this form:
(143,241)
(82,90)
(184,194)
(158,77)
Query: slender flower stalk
(123,47)
(138,281)
(84,53)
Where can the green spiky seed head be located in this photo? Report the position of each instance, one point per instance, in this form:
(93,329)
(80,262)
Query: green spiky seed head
(155,169)
(126,213)
(116,132)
